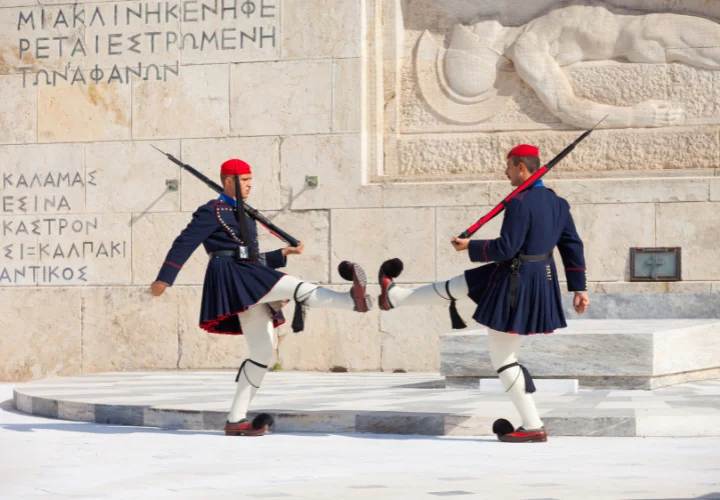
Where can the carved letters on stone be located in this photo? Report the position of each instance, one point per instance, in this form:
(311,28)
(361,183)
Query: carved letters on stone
(45,241)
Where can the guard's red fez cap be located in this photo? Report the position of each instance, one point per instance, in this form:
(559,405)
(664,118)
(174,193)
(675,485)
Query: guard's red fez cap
(524,150)
(235,167)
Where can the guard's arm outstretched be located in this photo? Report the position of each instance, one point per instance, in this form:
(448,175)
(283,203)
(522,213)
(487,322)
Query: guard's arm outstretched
(201,226)
(274,259)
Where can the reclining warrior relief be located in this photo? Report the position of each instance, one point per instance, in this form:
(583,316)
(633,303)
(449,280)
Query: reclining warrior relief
(477,74)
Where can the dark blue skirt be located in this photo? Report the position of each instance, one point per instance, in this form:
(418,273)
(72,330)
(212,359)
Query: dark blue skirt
(231,287)
(539,302)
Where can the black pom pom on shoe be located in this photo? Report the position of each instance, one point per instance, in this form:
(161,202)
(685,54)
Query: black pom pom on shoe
(502,427)
(345,269)
(392,268)
(262,420)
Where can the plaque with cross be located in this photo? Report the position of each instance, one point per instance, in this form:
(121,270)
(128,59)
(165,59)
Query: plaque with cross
(655,264)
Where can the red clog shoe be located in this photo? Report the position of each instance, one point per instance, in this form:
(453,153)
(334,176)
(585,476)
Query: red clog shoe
(352,271)
(508,434)
(525,436)
(258,427)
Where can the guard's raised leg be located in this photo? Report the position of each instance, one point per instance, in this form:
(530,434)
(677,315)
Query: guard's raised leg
(442,292)
(356,299)
(439,293)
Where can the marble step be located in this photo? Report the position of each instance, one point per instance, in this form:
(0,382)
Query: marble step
(545,385)
(624,354)
(360,402)
(647,305)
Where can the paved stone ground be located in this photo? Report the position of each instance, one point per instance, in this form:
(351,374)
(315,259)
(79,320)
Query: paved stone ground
(46,458)
(367,402)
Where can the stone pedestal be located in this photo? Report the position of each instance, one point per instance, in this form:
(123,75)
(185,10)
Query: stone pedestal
(618,354)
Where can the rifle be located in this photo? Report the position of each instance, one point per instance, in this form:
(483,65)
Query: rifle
(532,180)
(250,211)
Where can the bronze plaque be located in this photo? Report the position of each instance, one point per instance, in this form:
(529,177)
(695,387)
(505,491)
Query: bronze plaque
(655,264)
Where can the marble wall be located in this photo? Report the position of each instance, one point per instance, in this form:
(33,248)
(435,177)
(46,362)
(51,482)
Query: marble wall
(297,88)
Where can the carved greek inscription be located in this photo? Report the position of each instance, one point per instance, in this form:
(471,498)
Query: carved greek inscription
(15,198)
(57,246)
(140,28)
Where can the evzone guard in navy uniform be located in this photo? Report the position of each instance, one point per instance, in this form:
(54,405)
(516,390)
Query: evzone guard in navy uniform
(243,292)
(518,293)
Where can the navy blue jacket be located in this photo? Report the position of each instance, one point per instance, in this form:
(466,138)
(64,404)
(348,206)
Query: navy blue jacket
(214,226)
(536,221)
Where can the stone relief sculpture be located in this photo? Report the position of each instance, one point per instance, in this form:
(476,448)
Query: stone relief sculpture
(477,74)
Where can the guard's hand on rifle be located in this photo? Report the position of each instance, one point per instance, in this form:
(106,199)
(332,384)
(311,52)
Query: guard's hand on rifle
(460,244)
(581,302)
(293,250)
(158,288)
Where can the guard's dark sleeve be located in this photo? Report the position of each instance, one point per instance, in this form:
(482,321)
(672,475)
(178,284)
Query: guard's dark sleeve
(512,235)
(274,259)
(202,225)
(573,256)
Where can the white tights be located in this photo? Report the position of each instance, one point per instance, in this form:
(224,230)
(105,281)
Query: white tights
(312,295)
(257,328)
(433,294)
(503,346)
(503,351)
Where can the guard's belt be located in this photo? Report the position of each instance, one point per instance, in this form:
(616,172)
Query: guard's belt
(239,253)
(515,273)
(535,258)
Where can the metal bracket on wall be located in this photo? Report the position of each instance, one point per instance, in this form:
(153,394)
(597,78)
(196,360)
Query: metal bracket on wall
(311,181)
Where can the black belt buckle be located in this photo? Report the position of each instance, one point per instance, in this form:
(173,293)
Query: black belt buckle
(515,266)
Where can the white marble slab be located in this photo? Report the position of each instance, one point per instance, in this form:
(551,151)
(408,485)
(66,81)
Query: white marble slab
(601,353)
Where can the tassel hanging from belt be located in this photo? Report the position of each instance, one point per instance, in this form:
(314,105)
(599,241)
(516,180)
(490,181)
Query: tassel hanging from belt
(515,275)
(514,284)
